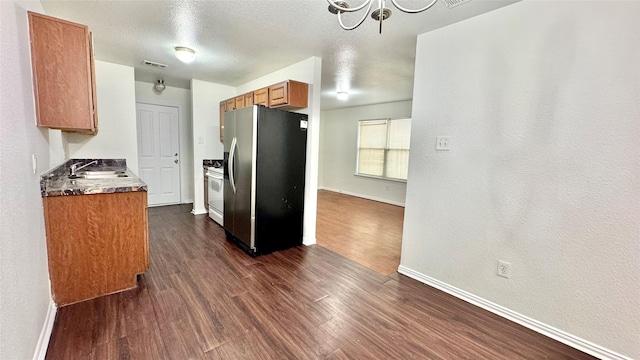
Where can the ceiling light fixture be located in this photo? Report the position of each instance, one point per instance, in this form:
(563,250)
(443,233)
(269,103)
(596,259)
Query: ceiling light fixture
(185,54)
(342,95)
(379,14)
(159,86)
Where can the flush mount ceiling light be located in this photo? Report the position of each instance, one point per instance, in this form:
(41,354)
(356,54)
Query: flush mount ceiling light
(379,14)
(185,54)
(342,95)
(159,86)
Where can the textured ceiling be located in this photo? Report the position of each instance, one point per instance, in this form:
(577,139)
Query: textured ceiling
(240,40)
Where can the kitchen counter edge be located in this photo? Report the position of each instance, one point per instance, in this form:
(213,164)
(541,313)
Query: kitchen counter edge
(56,182)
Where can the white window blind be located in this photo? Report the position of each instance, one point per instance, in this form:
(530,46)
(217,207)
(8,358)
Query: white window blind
(383,148)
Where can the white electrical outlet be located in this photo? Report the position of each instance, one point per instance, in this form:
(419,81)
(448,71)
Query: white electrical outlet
(504,269)
(442,143)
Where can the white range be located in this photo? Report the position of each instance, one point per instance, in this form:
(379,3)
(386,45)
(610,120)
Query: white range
(216,195)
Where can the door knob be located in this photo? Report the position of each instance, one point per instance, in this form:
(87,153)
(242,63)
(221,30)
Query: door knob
(176,154)
(175,161)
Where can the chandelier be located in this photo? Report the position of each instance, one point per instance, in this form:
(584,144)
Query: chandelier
(379,14)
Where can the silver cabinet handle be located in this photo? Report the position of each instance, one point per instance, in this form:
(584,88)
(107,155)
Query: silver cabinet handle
(232,157)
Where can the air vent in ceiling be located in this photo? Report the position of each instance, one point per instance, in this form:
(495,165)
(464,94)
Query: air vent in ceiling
(154,64)
(453,3)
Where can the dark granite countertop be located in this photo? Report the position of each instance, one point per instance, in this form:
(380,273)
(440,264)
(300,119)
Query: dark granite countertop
(56,182)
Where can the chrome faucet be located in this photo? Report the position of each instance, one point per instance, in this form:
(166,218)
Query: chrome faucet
(75,166)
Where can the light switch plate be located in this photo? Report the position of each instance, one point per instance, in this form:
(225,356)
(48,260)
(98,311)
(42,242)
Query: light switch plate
(34,163)
(442,143)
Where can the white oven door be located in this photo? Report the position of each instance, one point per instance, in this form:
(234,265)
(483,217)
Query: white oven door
(216,196)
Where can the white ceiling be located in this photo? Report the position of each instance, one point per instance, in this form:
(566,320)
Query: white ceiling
(240,40)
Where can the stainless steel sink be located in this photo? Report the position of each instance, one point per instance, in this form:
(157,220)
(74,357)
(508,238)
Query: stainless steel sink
(98,172)
(102,174)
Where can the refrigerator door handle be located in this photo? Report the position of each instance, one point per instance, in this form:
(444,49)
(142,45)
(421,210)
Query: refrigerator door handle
(231,162)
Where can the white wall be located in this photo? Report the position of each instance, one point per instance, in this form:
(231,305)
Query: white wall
(338,149)
(541,100)
(308,71)
(24,278)
(206,99)
(117,135)
(180,98)
(321,152)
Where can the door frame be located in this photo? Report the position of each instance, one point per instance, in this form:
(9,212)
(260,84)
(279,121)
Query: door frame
(173,105)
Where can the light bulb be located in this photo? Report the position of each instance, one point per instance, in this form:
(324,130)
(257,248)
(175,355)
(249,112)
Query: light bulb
(159,86)
(342,95)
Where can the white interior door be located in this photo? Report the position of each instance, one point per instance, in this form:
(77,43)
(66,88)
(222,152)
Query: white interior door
(158,157)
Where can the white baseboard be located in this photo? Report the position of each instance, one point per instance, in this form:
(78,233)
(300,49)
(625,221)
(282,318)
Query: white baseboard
(45,334)
(363,196)
(308,241)
(535,325)
(199,211)
(189,201)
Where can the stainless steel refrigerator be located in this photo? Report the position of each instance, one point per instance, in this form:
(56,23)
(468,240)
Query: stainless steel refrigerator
(264,173)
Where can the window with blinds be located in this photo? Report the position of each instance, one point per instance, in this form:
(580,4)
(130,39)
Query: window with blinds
(383,148)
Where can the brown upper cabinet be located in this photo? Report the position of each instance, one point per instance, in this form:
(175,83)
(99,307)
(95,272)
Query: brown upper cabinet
(261,97)
(63,74)
(231,104)
(289,94)
(248,99)
(223,108)
(239,102)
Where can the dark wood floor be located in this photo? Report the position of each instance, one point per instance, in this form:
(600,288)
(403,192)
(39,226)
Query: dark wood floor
(203,298)
(365,231)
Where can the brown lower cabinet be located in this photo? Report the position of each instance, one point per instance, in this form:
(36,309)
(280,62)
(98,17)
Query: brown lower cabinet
(96,244)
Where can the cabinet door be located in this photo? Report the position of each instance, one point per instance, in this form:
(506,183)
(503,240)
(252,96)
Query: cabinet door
(94,96)
(223,108)
(278,94)
(231,104)
(289,95)
(86,264)
(248,99)
(261,97)
(62,64)
(239,102)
